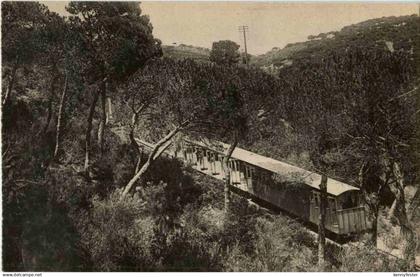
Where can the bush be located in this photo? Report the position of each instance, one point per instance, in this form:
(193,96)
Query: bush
(193,243)
(362,258)
(118,237)
(39,233)
(276,248)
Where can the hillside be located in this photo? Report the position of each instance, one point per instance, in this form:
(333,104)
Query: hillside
(392,32)
(183,51)
(295,61)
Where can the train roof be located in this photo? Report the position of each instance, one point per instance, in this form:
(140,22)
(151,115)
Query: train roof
(286,170)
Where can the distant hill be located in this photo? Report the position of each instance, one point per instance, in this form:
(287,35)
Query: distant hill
(183,51)
(391,32)
(276,57)
(394,32)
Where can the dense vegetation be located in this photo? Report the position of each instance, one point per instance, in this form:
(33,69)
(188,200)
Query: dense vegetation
(79,193)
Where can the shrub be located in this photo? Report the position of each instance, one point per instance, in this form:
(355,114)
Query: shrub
(38,232)
(362,258)
(118,238)
(276,248)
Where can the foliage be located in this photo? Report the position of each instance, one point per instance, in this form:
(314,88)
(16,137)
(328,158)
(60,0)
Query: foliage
(225,52)
(21,30)
(116,38)
(372,260)
(116,238)
(397,30)
(278,247)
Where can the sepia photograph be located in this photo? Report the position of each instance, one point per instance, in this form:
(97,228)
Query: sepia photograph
(210,136)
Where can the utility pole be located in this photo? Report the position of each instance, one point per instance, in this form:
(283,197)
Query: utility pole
(243,29)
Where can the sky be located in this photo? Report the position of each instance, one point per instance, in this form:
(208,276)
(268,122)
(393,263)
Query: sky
(270,24)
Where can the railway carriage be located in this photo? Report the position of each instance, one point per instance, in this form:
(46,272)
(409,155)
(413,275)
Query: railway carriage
(285,186)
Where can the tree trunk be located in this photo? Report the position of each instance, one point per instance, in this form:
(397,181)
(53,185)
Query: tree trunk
(11,83)
(60,117)
(391,212)
(227,173)
(374,231)
(109,114)
(89,129)
(414,204)
(158,149)
(133,124)
(102,124)
(321,224)
(50,102)
(407,231)
(138,164)
(372,202)
(134,143)
(137,150)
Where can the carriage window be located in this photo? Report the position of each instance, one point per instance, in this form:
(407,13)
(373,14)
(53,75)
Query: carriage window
(331,204)
(199,154)
(248,172)
(255,175)
(348,201)
(316,199)
(354,199)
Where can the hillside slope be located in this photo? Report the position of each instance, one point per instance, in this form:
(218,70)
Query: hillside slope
(392,32)
(183,51)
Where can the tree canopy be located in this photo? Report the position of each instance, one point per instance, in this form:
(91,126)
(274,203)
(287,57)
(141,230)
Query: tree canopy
(225,52)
